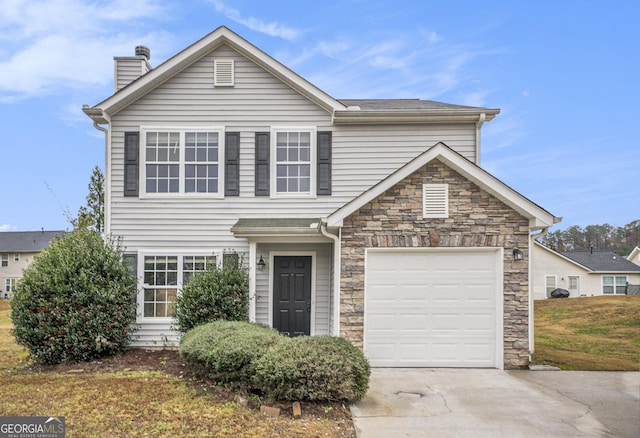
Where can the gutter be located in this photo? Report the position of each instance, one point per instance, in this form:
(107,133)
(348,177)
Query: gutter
(98,116)
(336,275)
(481,119)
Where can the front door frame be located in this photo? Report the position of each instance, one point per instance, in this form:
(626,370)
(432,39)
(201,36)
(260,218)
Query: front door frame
(312,254)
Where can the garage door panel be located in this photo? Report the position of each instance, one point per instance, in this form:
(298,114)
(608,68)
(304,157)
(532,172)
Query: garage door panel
(431,308)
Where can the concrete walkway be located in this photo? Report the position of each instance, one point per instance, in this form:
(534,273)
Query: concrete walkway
(493,403)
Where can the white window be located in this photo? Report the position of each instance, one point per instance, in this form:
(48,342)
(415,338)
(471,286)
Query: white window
(574,283)
(10,284)
(614,284)
(164,275)
(4,260)
(16,257)
(435,201)
(182,162)
(294,162)
(550,282)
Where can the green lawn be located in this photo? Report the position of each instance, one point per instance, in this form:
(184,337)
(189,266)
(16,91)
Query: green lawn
(590,333)
(133,403)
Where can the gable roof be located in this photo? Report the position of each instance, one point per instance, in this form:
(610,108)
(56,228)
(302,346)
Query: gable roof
(601,261)
(345,112)
(635,254)
(538,217)
(26,241)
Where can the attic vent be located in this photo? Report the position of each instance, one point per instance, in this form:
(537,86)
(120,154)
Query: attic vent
(435,201)
(223,73)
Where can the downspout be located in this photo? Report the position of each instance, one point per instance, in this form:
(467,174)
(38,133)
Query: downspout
(533,237)
(107,178)
(335,331)
(479,123)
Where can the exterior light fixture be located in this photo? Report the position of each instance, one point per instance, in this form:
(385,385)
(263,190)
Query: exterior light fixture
(517,254)
(261,264)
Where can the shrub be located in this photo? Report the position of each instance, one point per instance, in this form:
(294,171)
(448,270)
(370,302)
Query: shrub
(315,368)
(217,293)
(76,301)
(225,351)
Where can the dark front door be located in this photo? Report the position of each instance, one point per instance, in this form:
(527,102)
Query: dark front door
(292,295)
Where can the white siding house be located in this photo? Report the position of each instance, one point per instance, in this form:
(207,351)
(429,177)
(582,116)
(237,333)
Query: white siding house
(223,149)
(581,273)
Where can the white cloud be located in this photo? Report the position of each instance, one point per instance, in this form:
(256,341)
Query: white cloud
(54,46)
(7,227)
(272,28)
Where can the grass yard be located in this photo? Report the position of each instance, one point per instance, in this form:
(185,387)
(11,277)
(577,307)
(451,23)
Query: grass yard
(590,333)
(144,394)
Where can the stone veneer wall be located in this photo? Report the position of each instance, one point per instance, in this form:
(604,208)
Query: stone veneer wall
(476,219)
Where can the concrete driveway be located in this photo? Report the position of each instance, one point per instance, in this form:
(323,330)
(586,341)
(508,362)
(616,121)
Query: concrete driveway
(411,402)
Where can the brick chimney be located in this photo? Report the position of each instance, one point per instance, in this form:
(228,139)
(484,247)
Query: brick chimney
(130,68)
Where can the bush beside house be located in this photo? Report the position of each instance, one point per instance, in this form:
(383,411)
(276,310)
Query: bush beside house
(318,368)
(76,301)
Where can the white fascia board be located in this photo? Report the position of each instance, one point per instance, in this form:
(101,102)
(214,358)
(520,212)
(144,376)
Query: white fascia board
(417,116)
(538,217)
(194,52)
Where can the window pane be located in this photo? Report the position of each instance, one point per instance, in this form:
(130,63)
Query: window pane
(149,310)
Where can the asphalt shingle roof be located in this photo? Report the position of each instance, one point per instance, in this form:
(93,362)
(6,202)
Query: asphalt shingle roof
(26,241)
(399,104)
(602,261)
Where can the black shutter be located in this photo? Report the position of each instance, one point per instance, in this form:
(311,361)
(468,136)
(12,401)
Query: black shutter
(232,164)
(324,163)
(132,260)
(262,164)
(131,158)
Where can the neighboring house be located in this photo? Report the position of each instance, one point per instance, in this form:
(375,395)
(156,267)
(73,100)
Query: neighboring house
(367,219)
(17,249)
(582,273)
(634,256)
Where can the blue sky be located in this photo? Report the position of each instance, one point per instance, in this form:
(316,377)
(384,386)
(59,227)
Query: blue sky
(563,73)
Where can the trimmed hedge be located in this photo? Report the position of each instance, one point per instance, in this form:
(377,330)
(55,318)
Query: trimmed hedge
(315,368)
(76,300)
(226,351)
(212,295)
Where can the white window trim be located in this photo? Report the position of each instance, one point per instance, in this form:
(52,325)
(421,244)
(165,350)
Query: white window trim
(274,194)
(181,194)
(180,254)
(555,284)
(626,280)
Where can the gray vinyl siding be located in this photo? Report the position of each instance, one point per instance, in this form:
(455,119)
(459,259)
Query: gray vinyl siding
(361,157)
(128,70)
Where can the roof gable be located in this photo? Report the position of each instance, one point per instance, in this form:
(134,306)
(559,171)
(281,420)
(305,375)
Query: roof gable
(538,217)
(101,112)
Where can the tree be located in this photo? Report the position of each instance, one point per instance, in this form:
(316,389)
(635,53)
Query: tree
(92,215)
(76,300)
(620,240)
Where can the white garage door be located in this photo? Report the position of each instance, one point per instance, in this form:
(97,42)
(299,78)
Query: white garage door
(433,308)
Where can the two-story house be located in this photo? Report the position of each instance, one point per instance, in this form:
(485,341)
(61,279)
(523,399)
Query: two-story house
(367,219)
(17,249)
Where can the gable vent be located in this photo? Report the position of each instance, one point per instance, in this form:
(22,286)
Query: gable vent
(435,201)
(223,73)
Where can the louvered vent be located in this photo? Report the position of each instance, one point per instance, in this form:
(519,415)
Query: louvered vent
(435,201)
(223,73)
